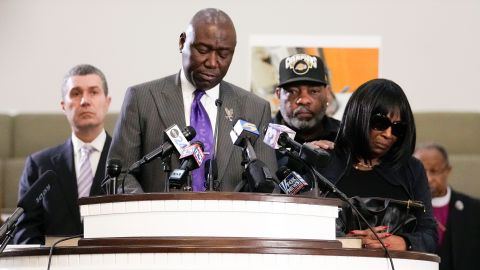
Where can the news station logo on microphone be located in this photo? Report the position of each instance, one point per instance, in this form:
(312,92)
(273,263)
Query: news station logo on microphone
(273,133)
(293,183)
(195,151)
(176,137)
(244,130)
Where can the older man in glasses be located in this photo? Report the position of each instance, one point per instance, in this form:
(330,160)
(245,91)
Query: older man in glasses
(457,215)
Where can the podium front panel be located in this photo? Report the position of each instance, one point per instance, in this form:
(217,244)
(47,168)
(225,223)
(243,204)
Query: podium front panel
(188,258)
(210,215)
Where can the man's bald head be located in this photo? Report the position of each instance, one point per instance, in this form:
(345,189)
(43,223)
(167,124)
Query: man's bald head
(211,16)
(207,47)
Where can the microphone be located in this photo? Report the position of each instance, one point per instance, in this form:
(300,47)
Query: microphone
(273,132)
(192,157)
(315,157)
(256,173)
(38,191)
(29,201)
(211,174)
(175,139)
(292,182)
(114,168)
(259,177)
(244,132)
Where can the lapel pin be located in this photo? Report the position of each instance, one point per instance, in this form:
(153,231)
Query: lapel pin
(229,114)
(459,205)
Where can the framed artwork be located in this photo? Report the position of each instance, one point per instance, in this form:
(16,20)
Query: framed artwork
(349,61)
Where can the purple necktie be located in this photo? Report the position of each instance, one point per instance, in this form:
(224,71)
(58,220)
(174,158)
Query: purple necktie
(201,122)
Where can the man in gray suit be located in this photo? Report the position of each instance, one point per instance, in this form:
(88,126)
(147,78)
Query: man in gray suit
(207,48)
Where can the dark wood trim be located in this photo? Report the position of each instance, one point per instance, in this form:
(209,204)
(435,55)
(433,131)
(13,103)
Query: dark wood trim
(244,196)
(203,242)
(218,245)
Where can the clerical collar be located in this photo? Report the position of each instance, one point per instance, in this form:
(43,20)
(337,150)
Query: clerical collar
(442,201)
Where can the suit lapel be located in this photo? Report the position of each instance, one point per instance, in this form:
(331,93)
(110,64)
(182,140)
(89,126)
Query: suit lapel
(225,124)
(169,101)
(100,173)
(455,217)
(67,179)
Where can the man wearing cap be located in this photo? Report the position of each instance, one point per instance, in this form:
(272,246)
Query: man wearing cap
(303,91)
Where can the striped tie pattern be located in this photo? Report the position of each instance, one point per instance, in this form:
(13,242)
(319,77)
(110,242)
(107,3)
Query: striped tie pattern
(85,174)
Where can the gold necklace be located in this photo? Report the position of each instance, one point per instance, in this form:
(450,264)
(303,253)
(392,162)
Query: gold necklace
(360,165)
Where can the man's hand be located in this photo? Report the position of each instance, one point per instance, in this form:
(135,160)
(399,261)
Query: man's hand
(324,144)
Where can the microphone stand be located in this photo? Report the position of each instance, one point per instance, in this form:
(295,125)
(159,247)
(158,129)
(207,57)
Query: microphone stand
(6,231)
(8,237)
(344,198)
(167,168)
(246,158)
(188,186)
(210,175)
(318,176)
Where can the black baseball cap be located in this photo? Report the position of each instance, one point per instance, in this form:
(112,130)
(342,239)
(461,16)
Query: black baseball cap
(302,68)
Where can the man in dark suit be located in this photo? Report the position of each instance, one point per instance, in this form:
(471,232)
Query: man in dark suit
(207,48)
(79,163)
(457,215)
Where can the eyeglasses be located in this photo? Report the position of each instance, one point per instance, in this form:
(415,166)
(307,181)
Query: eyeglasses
(381,122)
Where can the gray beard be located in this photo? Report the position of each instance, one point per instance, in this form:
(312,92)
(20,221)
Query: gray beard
(303,124)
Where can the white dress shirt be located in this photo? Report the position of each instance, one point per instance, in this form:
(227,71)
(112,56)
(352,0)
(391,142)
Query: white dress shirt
(207,100)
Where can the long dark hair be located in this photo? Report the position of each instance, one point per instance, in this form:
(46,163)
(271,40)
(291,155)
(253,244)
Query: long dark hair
(376,96)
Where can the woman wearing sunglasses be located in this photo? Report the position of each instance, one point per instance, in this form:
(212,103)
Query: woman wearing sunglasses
(373,158)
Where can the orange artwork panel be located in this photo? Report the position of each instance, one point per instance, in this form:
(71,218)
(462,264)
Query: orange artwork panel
(349,67)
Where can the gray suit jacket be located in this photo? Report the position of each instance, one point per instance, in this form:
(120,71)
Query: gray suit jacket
(149,108)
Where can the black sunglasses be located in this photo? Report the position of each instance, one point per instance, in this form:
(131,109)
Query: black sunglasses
(381,122)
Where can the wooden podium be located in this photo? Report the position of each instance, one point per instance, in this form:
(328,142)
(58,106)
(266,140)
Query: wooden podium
(211,230)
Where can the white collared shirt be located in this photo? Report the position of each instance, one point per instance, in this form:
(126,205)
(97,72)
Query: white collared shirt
(207,100)
(442,201)
(97,145)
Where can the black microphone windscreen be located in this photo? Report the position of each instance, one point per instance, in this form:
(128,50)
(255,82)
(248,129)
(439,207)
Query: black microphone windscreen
(282,172)
(189,133)
(218,102)
(38,190)
(283,139)
(114,167)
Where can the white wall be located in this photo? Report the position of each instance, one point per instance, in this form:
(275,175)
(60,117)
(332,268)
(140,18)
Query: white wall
(430,47)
